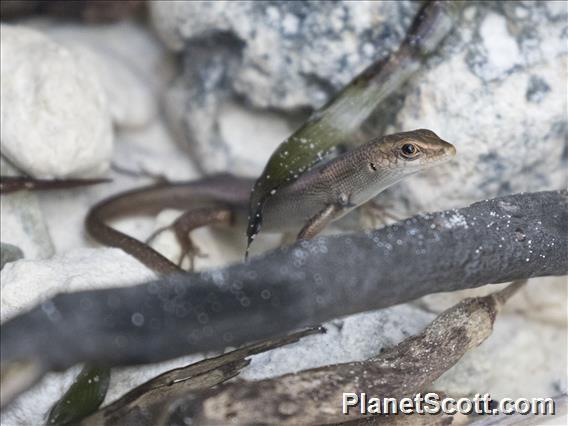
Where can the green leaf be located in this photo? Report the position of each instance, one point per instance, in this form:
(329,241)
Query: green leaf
(83,397)
(336,122)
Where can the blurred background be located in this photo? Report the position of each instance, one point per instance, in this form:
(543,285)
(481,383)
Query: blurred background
(135,90)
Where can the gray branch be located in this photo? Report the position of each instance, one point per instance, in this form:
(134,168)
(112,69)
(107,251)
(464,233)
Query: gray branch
(505,239)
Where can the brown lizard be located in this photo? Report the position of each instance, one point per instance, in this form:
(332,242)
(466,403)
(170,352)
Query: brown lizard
(318,197)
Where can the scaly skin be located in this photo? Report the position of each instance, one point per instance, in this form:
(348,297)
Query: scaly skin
(315,199)
(352,179)
(221,193)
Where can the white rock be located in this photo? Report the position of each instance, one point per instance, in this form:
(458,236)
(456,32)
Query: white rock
(250,135)
(543,300)
(502,50)
(23,222)
(131,99)
(139,48)
(504,143)
(495,88)
(32,407)
(354,338)
(290,54)
(55,119)
(23,225)
(501,101)
(131,104)
(28,282)
(280,56)
(521,359)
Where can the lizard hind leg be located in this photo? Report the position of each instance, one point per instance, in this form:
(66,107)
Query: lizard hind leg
(189,221)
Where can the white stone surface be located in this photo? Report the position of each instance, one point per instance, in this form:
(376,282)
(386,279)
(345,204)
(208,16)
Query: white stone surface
(55,119)
(131,104)
(521,359)
(250,135)
(278,57)
(22,221)
(504,143)
(543,300)
(526,356)
(139,48)
(353,338)
(28,282)
(125,74)
(291,54)
(23,224)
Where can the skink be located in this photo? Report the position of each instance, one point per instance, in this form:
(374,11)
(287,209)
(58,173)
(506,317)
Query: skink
(318,197)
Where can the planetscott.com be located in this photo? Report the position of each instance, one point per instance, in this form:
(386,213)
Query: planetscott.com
(432,403)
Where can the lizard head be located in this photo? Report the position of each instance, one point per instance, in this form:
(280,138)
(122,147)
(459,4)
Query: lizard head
(390,159)
(410,152)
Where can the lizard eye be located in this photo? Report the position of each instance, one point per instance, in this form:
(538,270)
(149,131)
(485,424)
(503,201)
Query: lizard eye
(409,150)
(373,167)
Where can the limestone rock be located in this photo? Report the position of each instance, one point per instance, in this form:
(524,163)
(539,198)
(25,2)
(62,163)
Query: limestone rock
(285,56)
(28,282)
(23,225)
(131,104)
(128,76)
(497,91)
(521,359)
(354,338)
(496,88)
(55,119)
(289,54)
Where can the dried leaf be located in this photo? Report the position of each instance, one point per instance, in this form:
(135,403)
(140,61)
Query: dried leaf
(144,404)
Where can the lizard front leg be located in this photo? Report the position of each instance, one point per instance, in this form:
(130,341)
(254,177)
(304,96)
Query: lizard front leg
(319,221)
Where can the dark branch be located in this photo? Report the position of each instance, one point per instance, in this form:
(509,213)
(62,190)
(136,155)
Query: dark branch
(20,183)
(500,240)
